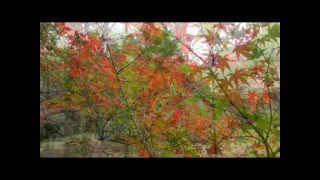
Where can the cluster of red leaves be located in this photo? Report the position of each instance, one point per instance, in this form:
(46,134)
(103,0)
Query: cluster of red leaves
(77,72)
(176,116)
(253,98)
(143,152)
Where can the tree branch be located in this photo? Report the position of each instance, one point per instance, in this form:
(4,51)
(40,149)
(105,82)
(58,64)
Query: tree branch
(129,108)
(121,69)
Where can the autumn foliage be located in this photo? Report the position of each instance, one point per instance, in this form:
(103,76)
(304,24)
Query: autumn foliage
(175,99)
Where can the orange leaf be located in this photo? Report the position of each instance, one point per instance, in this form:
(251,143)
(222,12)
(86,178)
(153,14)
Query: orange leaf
(175,116)
(73,72)
(223,63)
(143,152)
(235,98)
(95,97)
(252,100)
(242,50)
(152,103)
(266,97)
(200,121)
(156,81)
(131,141)
(94,42)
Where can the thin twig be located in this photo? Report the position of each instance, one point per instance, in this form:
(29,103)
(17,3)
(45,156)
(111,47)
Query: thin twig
(127,104)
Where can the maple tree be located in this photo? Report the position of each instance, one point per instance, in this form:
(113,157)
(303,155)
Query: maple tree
(168,98)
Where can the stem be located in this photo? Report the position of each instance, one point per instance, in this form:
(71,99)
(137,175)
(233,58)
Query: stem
(48,80)
(214,125)
(214,135)
(120,70)
(126,102)
(270,104)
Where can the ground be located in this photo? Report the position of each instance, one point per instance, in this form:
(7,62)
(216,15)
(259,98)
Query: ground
(83,145)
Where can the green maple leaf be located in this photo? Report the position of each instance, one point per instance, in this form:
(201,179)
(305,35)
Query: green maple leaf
(256,52)
(262,40)
(274,31)
(262,122)
(185,68)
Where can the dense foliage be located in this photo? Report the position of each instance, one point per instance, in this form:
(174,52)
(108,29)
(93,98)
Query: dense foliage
(154,89)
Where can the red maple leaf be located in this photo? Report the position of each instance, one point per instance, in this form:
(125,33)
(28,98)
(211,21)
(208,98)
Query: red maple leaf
(74,72)
(175,116)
